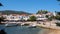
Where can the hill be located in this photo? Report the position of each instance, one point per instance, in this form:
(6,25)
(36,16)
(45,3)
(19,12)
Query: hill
(13,12)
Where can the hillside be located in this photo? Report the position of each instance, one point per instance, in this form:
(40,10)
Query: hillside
(13,12)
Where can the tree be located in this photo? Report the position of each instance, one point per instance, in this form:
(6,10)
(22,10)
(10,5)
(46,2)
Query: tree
(49,18)
(58,13)
(46,16)
(57,17)
(58,24)
(1,4)
(32,18)
(58,0)
(42,12)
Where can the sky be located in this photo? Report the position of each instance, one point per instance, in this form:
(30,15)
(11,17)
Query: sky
(31,6)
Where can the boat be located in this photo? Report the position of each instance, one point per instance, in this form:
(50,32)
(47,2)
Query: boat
(10,25)
(32,26)
(6,24)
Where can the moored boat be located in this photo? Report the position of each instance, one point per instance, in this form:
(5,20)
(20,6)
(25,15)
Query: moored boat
(10,25)
(32,26)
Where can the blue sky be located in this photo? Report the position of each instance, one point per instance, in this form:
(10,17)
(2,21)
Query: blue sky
(31,6)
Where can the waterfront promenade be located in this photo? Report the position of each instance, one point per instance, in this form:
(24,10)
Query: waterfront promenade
(49,25)
(53,29)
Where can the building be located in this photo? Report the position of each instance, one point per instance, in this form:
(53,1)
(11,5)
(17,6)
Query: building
(26,17)
(16,17)
(41,17)
(54,13)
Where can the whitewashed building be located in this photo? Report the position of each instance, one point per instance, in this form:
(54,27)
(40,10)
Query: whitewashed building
(12,17)
(15,17)
(26,17)
(41,17)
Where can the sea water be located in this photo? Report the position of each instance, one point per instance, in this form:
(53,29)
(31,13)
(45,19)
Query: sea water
(22,30)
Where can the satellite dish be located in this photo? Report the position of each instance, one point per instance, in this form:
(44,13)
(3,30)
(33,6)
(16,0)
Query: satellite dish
(1,4)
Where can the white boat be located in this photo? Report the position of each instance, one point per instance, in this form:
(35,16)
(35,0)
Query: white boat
(10,25)
(6,24)
(32,26)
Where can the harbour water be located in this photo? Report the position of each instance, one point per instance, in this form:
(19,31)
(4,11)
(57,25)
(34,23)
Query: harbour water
(23,30)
